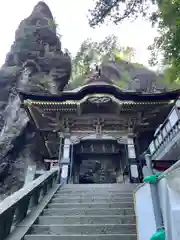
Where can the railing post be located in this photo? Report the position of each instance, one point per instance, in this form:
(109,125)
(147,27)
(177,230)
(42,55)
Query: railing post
(30,174)
(22,208)
(51,180)
(45,188)
(6,220)
(36,196)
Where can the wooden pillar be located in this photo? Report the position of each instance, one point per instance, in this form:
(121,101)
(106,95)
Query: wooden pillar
(30,174)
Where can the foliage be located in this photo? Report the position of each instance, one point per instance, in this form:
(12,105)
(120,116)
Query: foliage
(118,10)
(169,78)
(51,22)
(168,41)
(92,53)
(167,18)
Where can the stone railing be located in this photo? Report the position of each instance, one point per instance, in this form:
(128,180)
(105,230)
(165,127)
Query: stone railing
(32,198)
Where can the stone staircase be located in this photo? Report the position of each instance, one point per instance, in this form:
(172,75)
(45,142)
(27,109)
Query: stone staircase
(88,212)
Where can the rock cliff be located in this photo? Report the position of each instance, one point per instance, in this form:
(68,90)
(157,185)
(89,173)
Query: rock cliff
(133,77)
(35,63)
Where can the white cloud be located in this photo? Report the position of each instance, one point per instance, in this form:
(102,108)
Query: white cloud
(71,16)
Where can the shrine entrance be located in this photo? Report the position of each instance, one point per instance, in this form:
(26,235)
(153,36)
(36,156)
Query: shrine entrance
(99,161)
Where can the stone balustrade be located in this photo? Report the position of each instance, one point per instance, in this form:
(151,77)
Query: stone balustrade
(15,208)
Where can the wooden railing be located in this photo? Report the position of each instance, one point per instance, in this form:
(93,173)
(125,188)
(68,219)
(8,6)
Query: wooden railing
(17,206)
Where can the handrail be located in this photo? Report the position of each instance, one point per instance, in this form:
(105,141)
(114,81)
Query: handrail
(170,169)
(164,174)
(19,204)
(155,196)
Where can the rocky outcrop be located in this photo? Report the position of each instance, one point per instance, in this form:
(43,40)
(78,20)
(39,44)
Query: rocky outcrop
(37,49)
(35,63)
(132,77)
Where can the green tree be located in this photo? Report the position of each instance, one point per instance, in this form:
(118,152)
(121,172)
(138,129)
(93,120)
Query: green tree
(118,10)
(92,53)
(166,17)
(168,41)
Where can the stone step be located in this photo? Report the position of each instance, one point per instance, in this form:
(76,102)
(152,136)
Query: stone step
(120,219)
(124,188)
(91,205)
(90,200)
(94,195)
(84,229)
(117,187)
(102,185)
(83,237)
(94,192)
(96,189)
(90,211)
(99,189)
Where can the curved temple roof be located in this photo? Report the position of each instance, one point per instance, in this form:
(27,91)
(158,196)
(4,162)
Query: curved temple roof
(125,113)
(101,88)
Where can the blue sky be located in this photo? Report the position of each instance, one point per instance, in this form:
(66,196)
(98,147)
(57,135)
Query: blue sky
(71,16)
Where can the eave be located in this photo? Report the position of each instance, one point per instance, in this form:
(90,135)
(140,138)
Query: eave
(101,89)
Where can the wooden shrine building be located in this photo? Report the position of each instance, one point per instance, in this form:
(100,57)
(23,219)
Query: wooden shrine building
(98,131)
